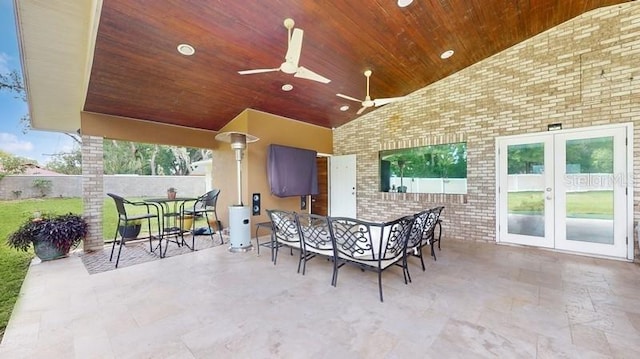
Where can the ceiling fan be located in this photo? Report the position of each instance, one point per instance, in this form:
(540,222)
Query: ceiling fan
(368,102)
(291,59)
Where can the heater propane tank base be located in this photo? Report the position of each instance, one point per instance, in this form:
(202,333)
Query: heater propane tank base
(239,229)
(241,250)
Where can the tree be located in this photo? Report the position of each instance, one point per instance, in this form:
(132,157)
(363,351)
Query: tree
(11,164)
(69,163)
(123,157)
(12,82)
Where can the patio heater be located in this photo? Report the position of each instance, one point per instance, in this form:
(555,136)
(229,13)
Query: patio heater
(239,228)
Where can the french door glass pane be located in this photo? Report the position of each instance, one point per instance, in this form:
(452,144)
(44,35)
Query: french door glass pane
(590,180)
(525,192)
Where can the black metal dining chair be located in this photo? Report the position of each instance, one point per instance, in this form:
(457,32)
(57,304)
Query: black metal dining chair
(204,206)
(429,236)
(125,219)
(373,246)
(285,233)
(316,240)
(423,221)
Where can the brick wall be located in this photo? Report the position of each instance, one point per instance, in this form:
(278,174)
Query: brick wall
(584,72)
(92,190)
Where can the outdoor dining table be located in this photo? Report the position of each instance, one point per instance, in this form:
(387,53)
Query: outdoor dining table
(171,217)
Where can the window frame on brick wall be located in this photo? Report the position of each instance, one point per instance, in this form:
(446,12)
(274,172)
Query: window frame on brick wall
(438,168)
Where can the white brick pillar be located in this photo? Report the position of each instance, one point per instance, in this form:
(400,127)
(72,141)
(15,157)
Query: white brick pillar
(93,190)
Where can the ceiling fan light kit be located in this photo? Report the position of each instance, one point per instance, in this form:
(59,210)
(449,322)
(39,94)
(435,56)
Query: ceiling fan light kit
(292,58)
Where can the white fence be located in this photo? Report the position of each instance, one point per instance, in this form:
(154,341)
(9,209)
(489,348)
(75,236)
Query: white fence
(19,186)
(431,185)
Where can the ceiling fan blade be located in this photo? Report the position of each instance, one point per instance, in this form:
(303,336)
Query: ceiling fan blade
(361,110)
(384,101)
(310,75)
(295,47)
(257,71)
(348,97)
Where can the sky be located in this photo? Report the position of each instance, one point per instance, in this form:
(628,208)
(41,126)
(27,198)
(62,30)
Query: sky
(35,145)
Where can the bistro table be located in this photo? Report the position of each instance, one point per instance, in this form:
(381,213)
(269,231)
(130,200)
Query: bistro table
(172,218)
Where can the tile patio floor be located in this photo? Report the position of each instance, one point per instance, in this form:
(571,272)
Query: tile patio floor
(478,300)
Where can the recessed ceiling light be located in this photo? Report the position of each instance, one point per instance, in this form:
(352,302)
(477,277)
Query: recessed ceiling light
(447,54)
(287,87)
(404,3)
(186,49)
(344,108)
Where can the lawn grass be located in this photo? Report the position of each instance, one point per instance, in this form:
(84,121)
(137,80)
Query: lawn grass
(593,204)
(14,264)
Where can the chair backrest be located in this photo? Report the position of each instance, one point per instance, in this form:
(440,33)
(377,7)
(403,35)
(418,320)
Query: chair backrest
(314,233)
(370,241)
(120,202)
(421,222)
(354,238)
(208,200)
(285,228)
(396,239)
(434,216)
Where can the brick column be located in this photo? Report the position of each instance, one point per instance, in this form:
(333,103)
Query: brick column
(93,190)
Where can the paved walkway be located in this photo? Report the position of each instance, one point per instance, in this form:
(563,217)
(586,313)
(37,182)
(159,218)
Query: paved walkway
(134,253)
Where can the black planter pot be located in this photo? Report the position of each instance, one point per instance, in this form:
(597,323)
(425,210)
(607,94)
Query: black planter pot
(46,250)
(130,231)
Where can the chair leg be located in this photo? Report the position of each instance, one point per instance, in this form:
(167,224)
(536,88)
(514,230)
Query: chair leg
(334,278)
(273,244)
(219,225)
(275,256)
(421,259)
(303,261)
(405,271)
(113,246)
(439,223)
(119,250)
(150,236)
(380,284)
(115,238)
(206,217)
(433,253)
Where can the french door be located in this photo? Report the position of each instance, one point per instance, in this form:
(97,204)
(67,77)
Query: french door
(566,190)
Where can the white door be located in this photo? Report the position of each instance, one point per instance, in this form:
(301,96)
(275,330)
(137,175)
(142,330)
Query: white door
(342,186)
(596,226)
(525,184)
(566,190)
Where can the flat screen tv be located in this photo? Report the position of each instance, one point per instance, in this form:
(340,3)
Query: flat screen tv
(292,171)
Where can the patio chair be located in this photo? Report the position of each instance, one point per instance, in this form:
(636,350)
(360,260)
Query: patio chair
(371,245)
(428,236)
(422,221)
(125,219)
(203,206)
(285,233)
(316,240)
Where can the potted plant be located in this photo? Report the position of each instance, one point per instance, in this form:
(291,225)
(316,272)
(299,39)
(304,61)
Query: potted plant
(171,193)
(52,236)
(131,229)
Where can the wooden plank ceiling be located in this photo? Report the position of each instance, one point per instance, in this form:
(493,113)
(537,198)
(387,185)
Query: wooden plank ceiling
(138,73)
